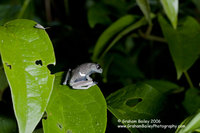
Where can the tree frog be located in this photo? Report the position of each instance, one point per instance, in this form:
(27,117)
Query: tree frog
(80,76)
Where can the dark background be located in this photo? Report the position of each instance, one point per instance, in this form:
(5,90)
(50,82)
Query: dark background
(74,39)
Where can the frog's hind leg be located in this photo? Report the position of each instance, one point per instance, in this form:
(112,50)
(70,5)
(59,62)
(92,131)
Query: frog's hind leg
(83,84)
(67,77)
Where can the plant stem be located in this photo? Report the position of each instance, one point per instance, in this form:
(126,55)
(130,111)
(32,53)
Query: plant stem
(152,37)
(21,13)
(188,79)
(149,29)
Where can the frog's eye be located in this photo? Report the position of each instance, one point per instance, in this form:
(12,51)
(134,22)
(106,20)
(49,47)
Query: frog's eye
(98,66)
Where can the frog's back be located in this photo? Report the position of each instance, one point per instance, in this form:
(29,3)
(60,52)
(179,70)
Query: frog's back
(83,69)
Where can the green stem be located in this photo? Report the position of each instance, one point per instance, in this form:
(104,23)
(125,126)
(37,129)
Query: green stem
(21,13)
(188,80)
(149,29)
(152,37)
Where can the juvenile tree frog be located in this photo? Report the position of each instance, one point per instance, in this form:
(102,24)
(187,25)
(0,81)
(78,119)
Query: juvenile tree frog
(79,78)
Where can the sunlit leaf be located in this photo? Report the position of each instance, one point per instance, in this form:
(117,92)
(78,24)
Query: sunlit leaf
(184,43)
(171,9)
(75,111)
(26,51)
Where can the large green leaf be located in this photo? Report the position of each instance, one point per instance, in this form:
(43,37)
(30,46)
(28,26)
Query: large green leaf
(26,51)
(171,9)
(190,124)
(110,32)
(192,100)
(184,43)
(75,111)
(144,6)
(134,102)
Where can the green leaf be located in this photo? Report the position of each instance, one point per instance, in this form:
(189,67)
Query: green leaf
(98,14)
(111,31)
(171,9)
(3,80)
(114,29)
(145,8)
(165,87)
(75,111)
(184,43)
(134,102)
(26,51)
(192,100)
(190,124)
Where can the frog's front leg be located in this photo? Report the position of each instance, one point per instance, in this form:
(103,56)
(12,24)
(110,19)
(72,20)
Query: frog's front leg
(67,77)
(83,84)
(88,77)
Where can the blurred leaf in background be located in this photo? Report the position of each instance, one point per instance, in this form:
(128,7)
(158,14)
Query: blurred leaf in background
(184,43)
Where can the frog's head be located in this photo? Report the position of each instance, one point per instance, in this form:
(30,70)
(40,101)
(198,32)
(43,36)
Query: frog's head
(96,68)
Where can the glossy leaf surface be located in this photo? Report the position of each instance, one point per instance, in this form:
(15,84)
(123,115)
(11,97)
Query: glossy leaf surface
(75,111)
(26,51)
